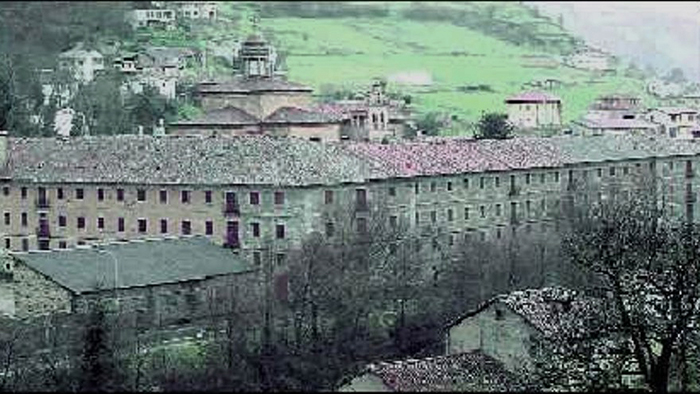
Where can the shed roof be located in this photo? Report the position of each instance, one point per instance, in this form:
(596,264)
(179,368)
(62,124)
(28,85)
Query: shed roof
(147,263)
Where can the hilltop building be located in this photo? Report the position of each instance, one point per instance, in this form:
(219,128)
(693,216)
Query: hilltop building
(615,114)
(83,64)
(533,110)
(590,59)
(258,101)
(153,17)
(197,10)
(675,122)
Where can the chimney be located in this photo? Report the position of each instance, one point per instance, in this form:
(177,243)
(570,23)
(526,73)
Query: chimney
(3,147)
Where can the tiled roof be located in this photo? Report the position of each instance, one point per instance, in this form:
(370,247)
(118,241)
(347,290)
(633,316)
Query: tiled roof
(296,162)
(138,263)
(288,115)
(461,372)
(677,110)
(339,111)
(615,123)
(533,97)
(223,116)
(242,85)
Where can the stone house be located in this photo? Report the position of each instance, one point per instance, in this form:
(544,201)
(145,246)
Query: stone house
(258,101)
(592,125)
(164,279)
(155,17)
(157,67)
(676,122)
(82,63)
(467,372)
(534,109)
(261,194)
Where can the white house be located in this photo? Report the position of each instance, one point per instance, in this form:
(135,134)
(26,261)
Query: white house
(590,59)
(196,9)
(597,125)
(82,63)
(534,109)
(151,17)
(63,122)
(675,122)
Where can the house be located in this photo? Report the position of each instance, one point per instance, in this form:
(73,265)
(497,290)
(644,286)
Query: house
(82,63)
(207,10)
(676,122)
(466,372)
(157,67)
(663,89)
(616,107)
(258,101)
(590,59)
(524,329)
(534,109)
(597,125)
(166,279)
(154,17)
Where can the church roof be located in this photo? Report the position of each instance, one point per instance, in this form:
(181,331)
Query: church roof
(250,85)
(287,115)
(228,116)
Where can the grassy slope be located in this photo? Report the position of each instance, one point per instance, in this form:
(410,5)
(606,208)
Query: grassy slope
(351,51)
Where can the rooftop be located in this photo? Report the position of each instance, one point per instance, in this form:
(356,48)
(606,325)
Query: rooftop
(144,263)
(677,110)
(461,372)
(615,123)
(533,97)
(250,85)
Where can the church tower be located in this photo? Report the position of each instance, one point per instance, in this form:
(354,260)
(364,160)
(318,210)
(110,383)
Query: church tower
(257,58)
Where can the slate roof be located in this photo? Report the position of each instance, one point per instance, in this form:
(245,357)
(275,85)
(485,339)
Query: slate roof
(287,115)
(615,123)
(144,263)
(461,372)
(250,85)
(533,97)
(677,110)
(282,161)
(223,116)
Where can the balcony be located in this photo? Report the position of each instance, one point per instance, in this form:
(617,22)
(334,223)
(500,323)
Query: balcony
(42,203)
(231,209)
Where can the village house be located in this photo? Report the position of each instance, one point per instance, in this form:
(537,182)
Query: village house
(198,10)
(464,372)
(524,329)
(590,59)
(163,279)
(676,122)
(663,89)
(616,106)
(154,17)
(83,64)
(592,125)
(533,110)
(258,101)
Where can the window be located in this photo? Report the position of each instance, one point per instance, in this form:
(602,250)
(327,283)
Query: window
(612,171)
(450,215)
(141,195)
(100,194)
(465,183)
(433,216)
(330,229)
(279,198)
(449,186)
(527,179)
(600,173)
(279,231)
(25,244)
(8,243)
(498,209)
(254,198)
(362,225)
(24,219)
(556,176)
(482,210)
(6,191)
(497,181)
(208,227)
(62,221)
(142,226)
(120,194)
(625,170)
(79,194)
(163,226)
(100,223)
(24,192)
(257,258)
(7,218)
(392,191)
(163,196)
(207,196)
(255,227)
(542,178)
(361,198)
(416,187)
(185,196)
(186,227)
(328,196)
(466,213)
(528,204)
(280,259)
(481,182)
(417,218)
(59,193)
(120,225)
(393,221)
(81,222)
(433,187)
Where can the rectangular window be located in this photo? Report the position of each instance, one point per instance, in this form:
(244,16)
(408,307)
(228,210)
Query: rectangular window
(449,186)
(6,191)
(59,193)
(465,183)
(481,182)
(497,181)
(612,171)
(62,221)
(186,227)
(498,209)
(79,193)
(143,226)
(328,196)
(24,193)
(393,221)
(280,259)
(625,170)
(100,194)
(25,244)
(450,215)
(24,219)
(255,227)
(362,225)
(361,199)
(163,226)
(600,172)
(392,191)
(527,179)
(81,223)
(417,218)
(207,196)
(279,198)
(163,196)
(556,176)
(8,243)
(466,213)
(208,227)
(120,225)
(254,198)
(482,210)
(257,258)
(330,229)
(279,231)
(141,195)
(528,204)
(7,218)
(416,188)
(433,186)
(433,216)
(120,194)
(100,223)
(185,196)
(542,178)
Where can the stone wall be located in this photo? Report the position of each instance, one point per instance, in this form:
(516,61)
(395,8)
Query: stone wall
(36,295)
(531,115)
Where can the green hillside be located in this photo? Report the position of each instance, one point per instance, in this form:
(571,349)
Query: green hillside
(459,44)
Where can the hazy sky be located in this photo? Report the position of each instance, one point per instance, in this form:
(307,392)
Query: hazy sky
(663,34)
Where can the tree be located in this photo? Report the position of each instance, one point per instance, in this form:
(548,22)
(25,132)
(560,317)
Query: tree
(494,126)
(98,364)
(644,265)
(429,124)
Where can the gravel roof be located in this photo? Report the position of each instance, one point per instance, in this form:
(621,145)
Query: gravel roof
(143,263)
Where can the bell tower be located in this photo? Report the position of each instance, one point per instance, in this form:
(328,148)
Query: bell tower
(256,57)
